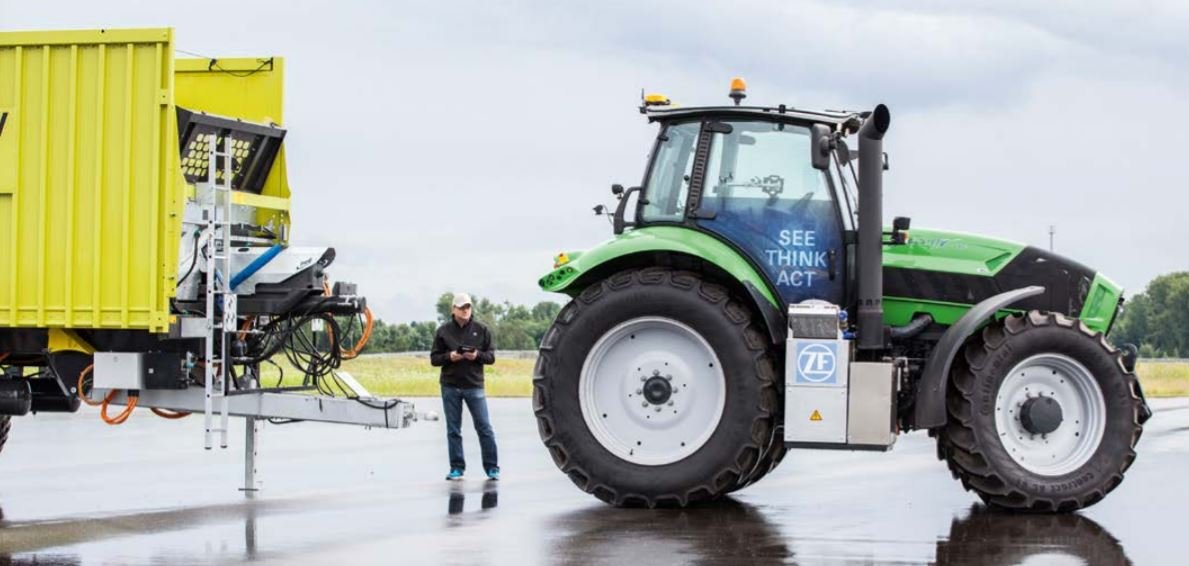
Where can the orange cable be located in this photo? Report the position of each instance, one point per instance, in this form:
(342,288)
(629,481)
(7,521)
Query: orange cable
(167,414)
(363,339)
(243,330)
(123,416)
(79,392)
(351,353)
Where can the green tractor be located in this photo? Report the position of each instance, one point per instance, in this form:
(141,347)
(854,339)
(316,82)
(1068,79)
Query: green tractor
(756,303)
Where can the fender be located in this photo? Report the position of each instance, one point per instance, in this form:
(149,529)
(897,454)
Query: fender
(638,248)
(930,397)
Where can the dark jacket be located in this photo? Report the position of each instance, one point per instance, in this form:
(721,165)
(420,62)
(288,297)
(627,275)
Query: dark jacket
(465,374)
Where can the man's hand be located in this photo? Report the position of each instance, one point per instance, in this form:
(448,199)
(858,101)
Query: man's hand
(471,355)
(455,356)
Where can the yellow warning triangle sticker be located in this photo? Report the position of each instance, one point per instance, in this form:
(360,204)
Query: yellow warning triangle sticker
(816,416)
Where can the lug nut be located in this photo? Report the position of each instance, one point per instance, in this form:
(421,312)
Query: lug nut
(670,403)
(639,391)
(642,378)
(656,372)
(658,409)
(644,404)
(668,378)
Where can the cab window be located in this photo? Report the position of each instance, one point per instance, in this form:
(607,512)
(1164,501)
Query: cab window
(667,186)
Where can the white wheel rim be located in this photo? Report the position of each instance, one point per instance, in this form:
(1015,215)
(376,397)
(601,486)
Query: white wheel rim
(1083,414)
(627,420)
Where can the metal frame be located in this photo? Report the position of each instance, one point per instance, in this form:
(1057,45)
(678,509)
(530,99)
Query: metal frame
(363,411)
(840,119)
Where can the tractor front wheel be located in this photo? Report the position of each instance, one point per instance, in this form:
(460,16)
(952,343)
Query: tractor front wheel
(655,387)
(1042,414)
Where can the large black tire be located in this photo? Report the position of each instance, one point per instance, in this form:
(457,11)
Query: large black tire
(970,442)
(738,452)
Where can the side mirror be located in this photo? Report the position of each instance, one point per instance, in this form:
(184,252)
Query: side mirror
(618,222)
(821,145)
(617,189)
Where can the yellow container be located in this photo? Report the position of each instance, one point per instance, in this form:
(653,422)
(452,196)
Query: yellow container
(91,189)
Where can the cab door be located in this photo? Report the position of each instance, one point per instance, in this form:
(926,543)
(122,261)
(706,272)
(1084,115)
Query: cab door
(761,193)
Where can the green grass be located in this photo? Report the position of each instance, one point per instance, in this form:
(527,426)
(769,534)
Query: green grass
(1164,380)
(399,376)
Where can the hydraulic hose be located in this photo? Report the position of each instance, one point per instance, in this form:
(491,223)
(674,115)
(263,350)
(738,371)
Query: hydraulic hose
(917,325)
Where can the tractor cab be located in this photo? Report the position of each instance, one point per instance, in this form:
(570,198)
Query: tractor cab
(747,176)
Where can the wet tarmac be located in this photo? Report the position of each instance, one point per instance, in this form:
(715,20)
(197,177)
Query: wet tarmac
(76,491)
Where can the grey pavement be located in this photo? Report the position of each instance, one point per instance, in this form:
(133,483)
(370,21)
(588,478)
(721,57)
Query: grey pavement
(77,491)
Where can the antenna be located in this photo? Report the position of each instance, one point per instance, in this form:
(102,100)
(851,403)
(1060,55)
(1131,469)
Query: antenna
(1052,230)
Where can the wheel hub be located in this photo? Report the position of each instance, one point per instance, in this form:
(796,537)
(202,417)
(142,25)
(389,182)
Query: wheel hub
(657,390)
(1050,414)
(652,391)
(1040,415)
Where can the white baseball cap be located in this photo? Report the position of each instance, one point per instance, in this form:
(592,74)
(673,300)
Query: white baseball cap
(461,299)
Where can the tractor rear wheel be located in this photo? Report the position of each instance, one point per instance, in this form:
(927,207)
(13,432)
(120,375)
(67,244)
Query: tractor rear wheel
(1042,414)
(655,387)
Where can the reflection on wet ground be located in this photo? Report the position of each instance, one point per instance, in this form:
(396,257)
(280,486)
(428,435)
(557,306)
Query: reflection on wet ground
(344,494)
(731,532)
(985,538)
(721,532)
(458,497)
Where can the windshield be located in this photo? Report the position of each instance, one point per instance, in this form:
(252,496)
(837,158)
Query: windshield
(763,161)
(668,180)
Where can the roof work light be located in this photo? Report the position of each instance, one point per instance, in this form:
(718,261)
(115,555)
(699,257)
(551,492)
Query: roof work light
(738,90)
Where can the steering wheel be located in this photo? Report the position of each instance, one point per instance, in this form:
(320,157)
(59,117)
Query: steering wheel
(772,185)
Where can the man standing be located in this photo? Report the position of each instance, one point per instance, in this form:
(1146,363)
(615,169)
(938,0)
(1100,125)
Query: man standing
(461,348)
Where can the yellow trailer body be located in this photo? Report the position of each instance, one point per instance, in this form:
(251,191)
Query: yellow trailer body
(91,182)
(89,190)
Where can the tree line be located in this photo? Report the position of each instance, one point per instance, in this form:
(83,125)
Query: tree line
(1157,320)
(513,327)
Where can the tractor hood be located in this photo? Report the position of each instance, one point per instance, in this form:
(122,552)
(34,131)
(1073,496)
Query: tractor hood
(958,268)
(939,272)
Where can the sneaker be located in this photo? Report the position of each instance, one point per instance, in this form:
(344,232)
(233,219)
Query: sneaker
(454,475)
(493,474)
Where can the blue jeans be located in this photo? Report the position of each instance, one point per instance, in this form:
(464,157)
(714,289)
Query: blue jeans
(476,400)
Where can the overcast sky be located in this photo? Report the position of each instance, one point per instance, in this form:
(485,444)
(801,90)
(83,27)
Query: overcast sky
(459,145)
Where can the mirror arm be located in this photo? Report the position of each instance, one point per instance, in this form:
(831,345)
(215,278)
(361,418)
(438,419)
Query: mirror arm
(618,224)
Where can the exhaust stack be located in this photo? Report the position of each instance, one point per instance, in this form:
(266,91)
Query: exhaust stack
(870,260)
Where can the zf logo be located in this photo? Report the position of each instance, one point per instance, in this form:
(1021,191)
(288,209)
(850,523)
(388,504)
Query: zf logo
(816,364)
(3,120)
